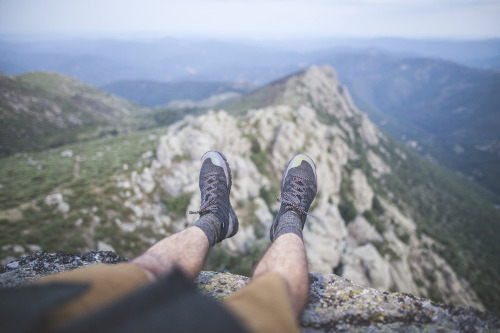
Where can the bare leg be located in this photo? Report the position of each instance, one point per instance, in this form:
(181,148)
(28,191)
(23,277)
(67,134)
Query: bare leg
(287,257)
(189,248)
(186,249)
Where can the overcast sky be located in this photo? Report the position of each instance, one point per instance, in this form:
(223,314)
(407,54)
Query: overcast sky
(254,18)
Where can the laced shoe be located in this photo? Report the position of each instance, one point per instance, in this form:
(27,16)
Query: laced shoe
(298,189)
(215,185)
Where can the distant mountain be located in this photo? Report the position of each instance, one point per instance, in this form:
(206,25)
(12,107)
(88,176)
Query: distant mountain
(153,93)
(101,62)
(104,61)
(42,110)
(384,216)
(442,109)
(472,53)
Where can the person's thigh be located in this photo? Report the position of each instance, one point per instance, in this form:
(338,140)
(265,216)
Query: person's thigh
(264,305)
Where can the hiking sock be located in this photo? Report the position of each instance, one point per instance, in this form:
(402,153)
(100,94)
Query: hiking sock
(289,222)
(211,226)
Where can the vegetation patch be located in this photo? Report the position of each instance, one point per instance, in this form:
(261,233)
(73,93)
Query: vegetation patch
(346,206)
(257,155)
(376,220)
(177,206)
(348,211)
(455,212)
(220,259)
(385,250)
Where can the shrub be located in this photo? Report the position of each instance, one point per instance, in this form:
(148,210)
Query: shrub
(348,211)
(177,206)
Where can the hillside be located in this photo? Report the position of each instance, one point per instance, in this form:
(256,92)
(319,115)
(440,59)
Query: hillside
(442,109)
(384,216)
(42,110)
(154,93)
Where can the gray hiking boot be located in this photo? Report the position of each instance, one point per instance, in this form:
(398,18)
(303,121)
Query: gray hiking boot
(298,189)
(215,185)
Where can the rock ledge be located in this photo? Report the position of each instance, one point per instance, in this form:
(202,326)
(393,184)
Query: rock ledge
(334,305)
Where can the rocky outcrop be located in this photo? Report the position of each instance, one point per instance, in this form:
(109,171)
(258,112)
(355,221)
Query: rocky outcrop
(375,247)
(334,304)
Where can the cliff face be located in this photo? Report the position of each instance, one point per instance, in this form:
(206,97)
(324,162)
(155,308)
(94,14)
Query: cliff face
(334,304)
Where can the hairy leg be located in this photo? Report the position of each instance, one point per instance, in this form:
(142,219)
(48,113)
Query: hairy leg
(186,249)
(287,257)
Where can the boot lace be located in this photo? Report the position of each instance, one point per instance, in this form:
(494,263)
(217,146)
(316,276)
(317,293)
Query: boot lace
(209,187)
(293,198)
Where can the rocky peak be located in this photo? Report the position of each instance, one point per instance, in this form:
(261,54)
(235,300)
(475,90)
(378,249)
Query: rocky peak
(320,88)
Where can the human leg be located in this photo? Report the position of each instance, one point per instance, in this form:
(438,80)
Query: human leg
(186,249)
(189,248)
(287,257)
(279,287)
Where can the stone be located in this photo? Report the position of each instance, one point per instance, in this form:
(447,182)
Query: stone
(362,232)
(67,153)
(362,192)
(101,246)
(377,164)
(324,237)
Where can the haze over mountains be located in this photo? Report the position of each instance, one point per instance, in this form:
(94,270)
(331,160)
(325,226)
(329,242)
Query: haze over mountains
(103,61)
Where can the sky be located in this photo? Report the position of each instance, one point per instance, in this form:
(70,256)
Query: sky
(260,19)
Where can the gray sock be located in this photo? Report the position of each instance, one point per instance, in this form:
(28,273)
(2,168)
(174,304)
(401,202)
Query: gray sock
(211,226)
(289,222)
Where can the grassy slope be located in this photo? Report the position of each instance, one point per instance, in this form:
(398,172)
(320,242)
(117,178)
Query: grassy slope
(437,103)
(43,110)
(459,214)
(88,187)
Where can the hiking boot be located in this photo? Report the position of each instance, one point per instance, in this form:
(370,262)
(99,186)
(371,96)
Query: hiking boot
(217,217)
(298,189)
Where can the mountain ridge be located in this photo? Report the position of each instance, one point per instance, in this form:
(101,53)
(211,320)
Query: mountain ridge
(57,109)
(444,110)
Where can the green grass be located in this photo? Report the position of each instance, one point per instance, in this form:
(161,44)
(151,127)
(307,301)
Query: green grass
(30,175)
(220,259)
(177,206)
(87,186)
